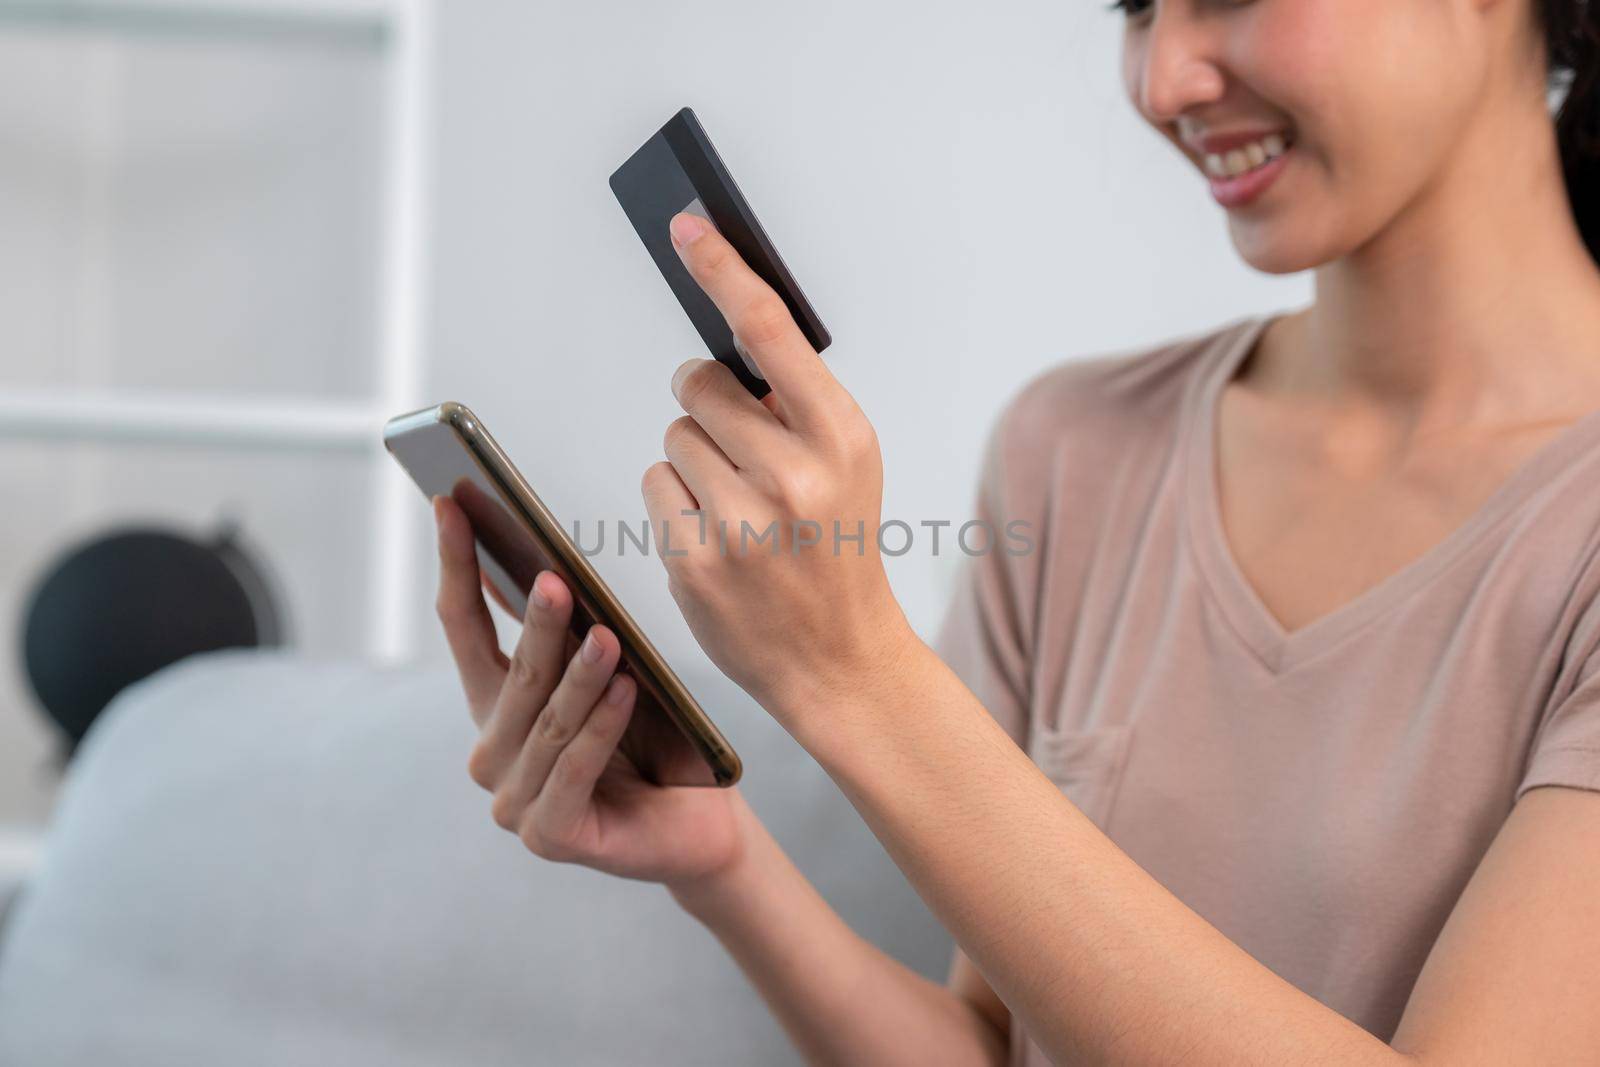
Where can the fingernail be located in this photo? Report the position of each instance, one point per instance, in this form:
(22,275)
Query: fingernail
(617,692)
(686,228)
(539,599)
(680,374)
(438,516)
(591,648)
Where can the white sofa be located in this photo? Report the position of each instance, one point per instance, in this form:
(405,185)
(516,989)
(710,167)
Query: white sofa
(260,859)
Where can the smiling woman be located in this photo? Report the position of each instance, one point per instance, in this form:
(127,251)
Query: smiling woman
(1282,744)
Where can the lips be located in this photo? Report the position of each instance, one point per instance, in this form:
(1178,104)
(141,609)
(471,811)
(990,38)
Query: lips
(1246,157)
(1239,162)
(1220,140)
(1237,190)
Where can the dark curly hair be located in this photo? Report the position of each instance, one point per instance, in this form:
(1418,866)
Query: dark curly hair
(1572,41)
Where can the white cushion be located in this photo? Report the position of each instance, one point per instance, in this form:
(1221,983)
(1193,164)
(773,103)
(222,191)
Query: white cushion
(262,859)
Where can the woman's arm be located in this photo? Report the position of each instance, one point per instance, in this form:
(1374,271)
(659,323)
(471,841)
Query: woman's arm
(1095,957)
(840,998)
(1104,965)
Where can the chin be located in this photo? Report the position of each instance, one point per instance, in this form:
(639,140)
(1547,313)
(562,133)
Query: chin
(1278,247)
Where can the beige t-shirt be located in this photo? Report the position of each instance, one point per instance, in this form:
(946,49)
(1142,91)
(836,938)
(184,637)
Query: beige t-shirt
(1320,796)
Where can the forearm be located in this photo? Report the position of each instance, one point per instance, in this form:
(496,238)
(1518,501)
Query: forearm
(1095,957)
(840,998)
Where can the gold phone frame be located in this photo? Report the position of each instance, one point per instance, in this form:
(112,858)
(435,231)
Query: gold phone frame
(643,661)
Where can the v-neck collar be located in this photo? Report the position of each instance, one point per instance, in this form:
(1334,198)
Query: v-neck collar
(1279,649)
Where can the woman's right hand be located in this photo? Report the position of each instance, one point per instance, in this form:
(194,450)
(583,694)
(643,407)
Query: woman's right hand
(550,718)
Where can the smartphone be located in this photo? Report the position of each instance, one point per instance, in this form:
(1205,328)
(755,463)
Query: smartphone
(448,452)
(677,169)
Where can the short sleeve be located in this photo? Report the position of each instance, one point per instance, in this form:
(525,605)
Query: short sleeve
(984,635)
(1567,749)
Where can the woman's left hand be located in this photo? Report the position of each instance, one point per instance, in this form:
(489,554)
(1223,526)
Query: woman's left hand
(766,511)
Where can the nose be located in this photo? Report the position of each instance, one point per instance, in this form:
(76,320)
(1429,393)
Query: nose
(1173,64)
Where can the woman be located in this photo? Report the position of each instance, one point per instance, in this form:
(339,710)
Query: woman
(1303,669)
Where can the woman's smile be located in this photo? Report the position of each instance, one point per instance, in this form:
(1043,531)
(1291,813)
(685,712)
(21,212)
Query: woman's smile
(1240,166)
(1236,190)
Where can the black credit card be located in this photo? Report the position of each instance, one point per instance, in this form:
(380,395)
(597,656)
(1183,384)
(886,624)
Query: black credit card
(678,170)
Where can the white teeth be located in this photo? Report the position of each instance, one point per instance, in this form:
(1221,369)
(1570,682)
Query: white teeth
(1246,157)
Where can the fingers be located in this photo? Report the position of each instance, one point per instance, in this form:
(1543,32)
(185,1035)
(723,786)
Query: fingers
(468,628)
(744,428)
(564,802)
(761,321)
(666,499)
(706,471)
(531,678)
(561,716)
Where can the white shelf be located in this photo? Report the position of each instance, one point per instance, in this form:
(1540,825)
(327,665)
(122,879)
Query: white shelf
(188,418)
(359,22)
(403,30)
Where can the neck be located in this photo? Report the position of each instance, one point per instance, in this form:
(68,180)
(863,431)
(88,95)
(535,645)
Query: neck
(1478,301)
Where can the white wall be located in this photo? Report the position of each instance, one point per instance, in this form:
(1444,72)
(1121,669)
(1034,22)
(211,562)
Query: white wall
(962,190)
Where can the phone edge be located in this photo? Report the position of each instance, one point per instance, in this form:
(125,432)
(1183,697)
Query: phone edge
(651,667)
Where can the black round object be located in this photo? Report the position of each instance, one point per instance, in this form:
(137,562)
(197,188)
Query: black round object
(120,607)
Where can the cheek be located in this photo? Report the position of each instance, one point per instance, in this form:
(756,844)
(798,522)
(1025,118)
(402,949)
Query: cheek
(1365,81)
(1296,55)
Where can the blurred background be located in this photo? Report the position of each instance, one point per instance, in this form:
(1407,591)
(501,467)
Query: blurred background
(236,235)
